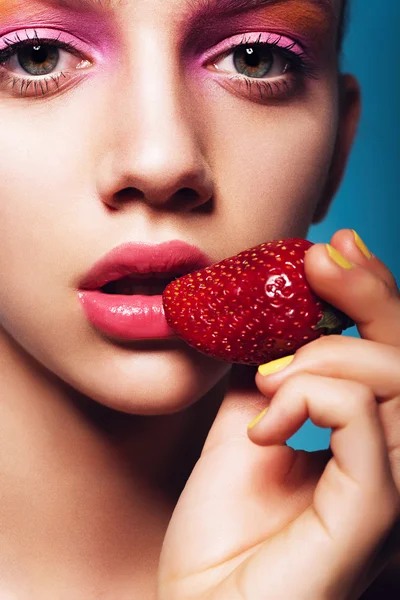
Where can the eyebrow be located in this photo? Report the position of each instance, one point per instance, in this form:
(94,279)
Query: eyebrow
(205,7)
(89,5)
(201,8)
(199,12)
(96,4)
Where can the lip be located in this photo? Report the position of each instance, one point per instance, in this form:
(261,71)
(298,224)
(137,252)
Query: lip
(135,317)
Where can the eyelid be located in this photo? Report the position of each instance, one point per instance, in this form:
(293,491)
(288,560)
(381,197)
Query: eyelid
(48,34)
(39,86)
(274,39)
(276,88)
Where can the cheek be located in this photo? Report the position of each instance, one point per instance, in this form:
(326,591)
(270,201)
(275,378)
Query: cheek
(272,164)
(46,181)
(40,173)
(291,169)
(37,161)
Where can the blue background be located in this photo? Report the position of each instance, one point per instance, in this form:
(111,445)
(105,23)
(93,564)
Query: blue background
(368,200)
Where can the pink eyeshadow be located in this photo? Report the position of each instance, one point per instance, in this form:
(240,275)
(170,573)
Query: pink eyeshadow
(303,22)
(92,29)
(251,38)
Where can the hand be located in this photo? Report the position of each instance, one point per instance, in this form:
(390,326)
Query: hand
(259,520)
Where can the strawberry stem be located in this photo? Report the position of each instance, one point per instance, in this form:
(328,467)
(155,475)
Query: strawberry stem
(334,320)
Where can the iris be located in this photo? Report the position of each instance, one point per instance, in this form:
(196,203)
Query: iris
(38,60)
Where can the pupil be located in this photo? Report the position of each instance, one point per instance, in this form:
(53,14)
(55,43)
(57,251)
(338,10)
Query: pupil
(39,54)
(254,61)
(252,57)
(38,60)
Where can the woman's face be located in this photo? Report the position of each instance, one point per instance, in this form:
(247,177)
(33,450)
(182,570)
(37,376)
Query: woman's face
(137,121)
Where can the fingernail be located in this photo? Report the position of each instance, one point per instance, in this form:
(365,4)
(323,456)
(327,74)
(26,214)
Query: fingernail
(361,246)
(338,258)
(258,418)
(275,366)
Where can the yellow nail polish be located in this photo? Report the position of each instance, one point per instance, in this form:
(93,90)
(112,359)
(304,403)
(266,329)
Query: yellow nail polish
(258,418)
(338,258)
(275,366)
(361,246)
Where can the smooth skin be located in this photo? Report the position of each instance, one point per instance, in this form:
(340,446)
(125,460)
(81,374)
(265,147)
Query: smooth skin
(266,521)
(97,437)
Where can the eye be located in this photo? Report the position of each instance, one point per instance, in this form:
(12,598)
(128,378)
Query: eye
(263,66)
(35,65)
(40,58)
(37,60)
(258,60)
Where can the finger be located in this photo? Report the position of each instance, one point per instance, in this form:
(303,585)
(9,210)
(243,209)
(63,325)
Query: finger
(242,400)
(371,363)
(357,291)
(222,509)
(349,243)
(330,403)
(355,503)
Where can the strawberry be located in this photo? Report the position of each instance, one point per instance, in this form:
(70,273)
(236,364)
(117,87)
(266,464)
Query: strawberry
(251,308)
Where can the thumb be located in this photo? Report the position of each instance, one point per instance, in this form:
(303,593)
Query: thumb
(358,287)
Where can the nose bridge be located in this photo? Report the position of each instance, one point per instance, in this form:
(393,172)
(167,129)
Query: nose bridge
(154,79)
(154,143)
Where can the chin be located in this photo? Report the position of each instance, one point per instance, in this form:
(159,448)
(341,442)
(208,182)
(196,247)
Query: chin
(149,380)
(152,377)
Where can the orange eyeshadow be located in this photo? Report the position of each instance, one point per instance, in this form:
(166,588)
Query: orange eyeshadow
(8,7)
(303,17)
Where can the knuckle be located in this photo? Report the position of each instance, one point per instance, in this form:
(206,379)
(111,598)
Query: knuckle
(326,352)
(392,283)
(362,395)
(297,381)
(383,290)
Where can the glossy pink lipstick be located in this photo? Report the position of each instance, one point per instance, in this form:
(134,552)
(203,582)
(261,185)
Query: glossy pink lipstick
(121,295)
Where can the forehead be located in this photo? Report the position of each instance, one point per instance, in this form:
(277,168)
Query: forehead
(191,5)
(178,17)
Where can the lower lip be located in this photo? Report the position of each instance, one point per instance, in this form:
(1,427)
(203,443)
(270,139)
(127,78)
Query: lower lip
(126,317)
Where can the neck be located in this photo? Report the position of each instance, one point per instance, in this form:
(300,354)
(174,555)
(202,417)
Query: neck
(85,489)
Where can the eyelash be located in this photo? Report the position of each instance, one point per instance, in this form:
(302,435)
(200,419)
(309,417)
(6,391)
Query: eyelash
(300,66)
(40,84)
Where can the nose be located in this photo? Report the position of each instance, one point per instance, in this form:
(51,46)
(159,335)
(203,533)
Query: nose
(153,152)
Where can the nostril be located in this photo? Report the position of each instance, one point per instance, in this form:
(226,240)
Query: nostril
(185,198)
(123,196)
(128,193)
(189,200)
(187,194)
(205,207)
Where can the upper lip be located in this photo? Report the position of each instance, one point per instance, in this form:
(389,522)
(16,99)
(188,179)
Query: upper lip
(144,260)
